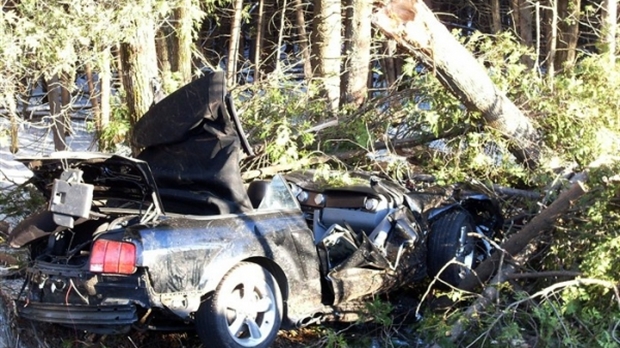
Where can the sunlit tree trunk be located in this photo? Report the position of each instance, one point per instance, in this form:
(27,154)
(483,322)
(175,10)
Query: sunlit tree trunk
(66,85)
(417,30)
(326,49)
(94,99)
(553,40)
(357,52)
(258,40)
(568,32)
(610,20)
(181,59)
(233,48)
(55,105)
(105,85)
(139,66)
(14,119)
(163,56)
(281,33)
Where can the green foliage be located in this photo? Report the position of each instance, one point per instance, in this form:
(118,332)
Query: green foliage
(380,311)
(277,116)
(19,201)
(577,114)
(335,340)
(117,130)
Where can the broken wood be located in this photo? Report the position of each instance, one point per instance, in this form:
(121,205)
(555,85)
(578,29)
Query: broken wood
(415,28)
(518,241)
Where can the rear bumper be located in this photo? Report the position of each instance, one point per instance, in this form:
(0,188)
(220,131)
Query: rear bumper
(79,316)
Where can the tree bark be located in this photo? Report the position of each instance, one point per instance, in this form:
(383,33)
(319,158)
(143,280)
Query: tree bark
(105,83)
(357,52)
(568,32)
(14,127)
(302,37)
(523,21)
(496,18)
(609,24)
(139,65)
(388,63)
(94,99)
(553,40)
(233,48)
(182,57)
(66,84)
(416,29)
(55,104)
(163,56)
(518,241)
(326,48)
(281,34)
(258,40)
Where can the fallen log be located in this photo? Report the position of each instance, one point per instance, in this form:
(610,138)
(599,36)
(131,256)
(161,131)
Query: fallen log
(518,241)
(415,28)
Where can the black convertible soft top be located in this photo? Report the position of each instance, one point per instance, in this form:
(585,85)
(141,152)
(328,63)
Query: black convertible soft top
(191,140)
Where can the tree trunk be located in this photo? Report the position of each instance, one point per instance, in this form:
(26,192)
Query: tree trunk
(14,119)
(55,104)
(415,28)
(94,100)
(388,64)
(496,17)
(552,43)
(233,48)
(518,241)
(139,64)
(522,18)
(105,83)
(281,34)
(65,98)
(326,46)
(163,56)
(302,37)
(357,52)
(181,60)
(610,20)
(568,32)
(258,40)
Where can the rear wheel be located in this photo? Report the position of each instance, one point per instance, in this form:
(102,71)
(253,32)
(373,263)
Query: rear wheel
(244,311)
(448,241)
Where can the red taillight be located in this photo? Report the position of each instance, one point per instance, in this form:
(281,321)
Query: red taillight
(110,256)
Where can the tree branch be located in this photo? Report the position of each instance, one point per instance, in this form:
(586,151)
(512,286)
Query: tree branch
(519,240)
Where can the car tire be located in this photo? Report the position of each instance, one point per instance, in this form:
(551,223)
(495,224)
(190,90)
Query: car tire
(234,317)
(449,240)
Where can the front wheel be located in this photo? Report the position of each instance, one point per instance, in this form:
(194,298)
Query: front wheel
(448,242)
(244,311)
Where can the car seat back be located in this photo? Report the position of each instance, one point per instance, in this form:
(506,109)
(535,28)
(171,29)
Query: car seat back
(256,191)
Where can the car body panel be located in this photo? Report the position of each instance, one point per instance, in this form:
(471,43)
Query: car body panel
(190,256)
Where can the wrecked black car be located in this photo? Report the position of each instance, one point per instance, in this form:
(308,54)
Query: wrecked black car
(173,239)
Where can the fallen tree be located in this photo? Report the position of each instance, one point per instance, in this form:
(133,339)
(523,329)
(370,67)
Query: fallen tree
(415,28)
(518,241)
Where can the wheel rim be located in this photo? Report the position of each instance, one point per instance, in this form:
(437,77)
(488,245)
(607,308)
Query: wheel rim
(251,313)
